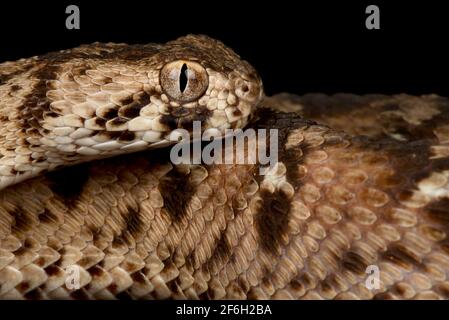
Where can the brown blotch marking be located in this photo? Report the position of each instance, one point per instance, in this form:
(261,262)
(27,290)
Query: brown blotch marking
(96,233)
(95,271)
(100,122)
(118,240)
(133,108)
(118,121)
(352,261)
(111,134)
(127,100)
(251,295)
(285,123)
(274,210)
(404,195)
(327,109)
(107,80)
(265,280)
(177,191)
(138,277)
(420,166)
(23,286)
(32,132)
(15,88)
(209,294)
(110,114)
(127,136)
(383,296)
(134,222)
(398,289)
(81,70)
(68,183)
(34,294)
(173,286)
(22,223)
(301,283)
(443,290)
(221,251)
(326,286)
(244,285)
(401,256)
(444,245)
(36,102)
(40,159)
(272,220)
(438,211)
(21,251)
(201,114)
(144,98)
(185,120)
(306,279)
(329,283)
(424,129)
(33,123)
(169,121)
(79,294)
(113,288)
(296,285)
(180,112)
(39,261)
(6,77)
(47,217)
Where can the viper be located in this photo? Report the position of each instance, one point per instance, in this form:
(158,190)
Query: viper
(91,206)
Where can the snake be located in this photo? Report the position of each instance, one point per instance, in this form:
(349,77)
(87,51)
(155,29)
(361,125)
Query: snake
(88,188)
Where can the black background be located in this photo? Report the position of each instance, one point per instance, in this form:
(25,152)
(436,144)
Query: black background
(297,47)
(319,46)
(148,310)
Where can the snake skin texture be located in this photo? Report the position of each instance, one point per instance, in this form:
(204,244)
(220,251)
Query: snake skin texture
(366,184)
(102,100)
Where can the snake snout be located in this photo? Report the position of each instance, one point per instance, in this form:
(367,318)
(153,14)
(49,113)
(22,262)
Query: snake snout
(250,91)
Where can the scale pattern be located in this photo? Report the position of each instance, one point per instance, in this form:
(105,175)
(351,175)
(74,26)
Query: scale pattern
(365,185)
(102,100)
(141,227)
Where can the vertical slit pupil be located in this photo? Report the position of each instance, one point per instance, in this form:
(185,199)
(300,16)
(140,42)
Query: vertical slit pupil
(183,79)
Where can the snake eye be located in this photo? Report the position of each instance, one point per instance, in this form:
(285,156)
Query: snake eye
(184,81)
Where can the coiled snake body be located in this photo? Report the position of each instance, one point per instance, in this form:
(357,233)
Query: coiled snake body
(366,185)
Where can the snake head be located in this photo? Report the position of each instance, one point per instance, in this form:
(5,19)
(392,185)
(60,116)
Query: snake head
(202,79)
(101,100)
